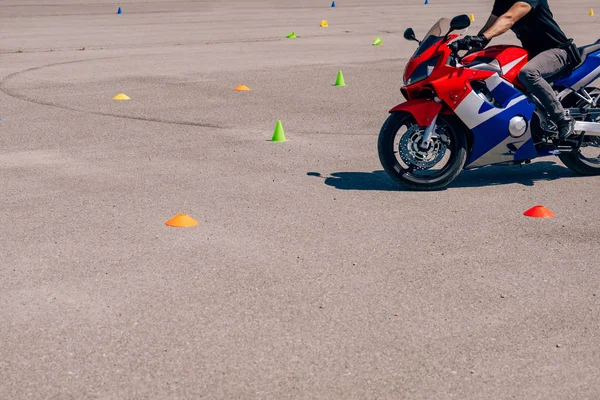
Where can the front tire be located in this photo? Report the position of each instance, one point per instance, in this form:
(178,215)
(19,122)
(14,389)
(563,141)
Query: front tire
(414,169)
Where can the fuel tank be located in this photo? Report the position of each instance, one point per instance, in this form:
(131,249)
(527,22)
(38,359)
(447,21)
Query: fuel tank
(506,60)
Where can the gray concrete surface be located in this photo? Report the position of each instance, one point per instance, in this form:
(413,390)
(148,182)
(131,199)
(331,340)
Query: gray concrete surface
(310,275)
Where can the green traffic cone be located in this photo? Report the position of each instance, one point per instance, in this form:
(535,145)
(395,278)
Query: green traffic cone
(340,80)
(377,41)
(278,135)
(291,35)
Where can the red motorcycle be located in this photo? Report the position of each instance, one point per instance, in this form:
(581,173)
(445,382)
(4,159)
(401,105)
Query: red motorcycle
(472,111)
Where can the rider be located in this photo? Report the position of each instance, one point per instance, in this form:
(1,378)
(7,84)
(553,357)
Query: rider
(549,50)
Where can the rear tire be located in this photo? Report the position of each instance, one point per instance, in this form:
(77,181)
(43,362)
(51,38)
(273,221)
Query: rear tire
(581,165)
(586,161)
(393,156)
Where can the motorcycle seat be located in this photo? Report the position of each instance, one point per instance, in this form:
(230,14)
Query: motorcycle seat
(584,51)
(587,50)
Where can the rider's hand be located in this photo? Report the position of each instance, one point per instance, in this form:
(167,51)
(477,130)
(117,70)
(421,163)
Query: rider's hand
(471,43)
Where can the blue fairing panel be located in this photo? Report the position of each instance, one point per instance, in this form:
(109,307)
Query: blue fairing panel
(504,93)
(582,75)
(492,142)
(489,124)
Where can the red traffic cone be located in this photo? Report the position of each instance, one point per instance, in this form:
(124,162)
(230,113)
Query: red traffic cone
(539,212)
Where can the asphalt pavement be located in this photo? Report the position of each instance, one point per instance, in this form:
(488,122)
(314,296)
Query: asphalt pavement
(310,273)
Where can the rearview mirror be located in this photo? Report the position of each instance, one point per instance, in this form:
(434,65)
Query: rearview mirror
(460,22)
(409,34)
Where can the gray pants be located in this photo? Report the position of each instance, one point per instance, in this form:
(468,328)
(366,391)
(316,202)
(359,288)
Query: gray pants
(533,77)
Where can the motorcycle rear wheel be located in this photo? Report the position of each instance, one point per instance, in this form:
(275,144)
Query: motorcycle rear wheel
(586,161)
(421,170)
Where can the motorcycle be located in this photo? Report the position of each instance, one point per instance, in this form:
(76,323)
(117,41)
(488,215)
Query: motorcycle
(470,111)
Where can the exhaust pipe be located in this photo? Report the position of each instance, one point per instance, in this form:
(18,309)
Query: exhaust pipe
(590,128)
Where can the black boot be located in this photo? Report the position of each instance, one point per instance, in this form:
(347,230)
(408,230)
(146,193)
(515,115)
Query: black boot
(566,127)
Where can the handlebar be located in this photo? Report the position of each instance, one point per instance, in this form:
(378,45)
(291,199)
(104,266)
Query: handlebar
(455,47)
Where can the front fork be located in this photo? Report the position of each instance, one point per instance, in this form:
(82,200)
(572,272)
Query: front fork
(429,134)
(425,112)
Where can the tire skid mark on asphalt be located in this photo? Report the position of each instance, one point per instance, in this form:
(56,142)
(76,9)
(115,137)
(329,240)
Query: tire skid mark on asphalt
(21,96)
(151,45)
(334,133)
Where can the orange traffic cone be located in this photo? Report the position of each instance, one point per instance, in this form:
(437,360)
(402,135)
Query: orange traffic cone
(181,221)
(539,212)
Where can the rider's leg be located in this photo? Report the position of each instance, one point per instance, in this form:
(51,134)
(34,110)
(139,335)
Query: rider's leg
(533,77)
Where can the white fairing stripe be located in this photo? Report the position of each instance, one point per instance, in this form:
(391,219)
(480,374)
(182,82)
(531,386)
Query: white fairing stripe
(587,79)
(511,65)
(494,81)
(468,109)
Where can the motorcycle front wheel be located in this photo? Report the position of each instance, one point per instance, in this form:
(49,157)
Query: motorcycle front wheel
(413,167)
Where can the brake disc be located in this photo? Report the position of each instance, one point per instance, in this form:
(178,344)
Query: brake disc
(411,154)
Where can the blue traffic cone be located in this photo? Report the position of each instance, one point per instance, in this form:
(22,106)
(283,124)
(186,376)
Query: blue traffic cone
(426,1)
(119,11)
(333,4)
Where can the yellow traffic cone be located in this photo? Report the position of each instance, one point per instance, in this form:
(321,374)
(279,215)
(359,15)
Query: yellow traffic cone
(591,12)
(472,17)
(121,96)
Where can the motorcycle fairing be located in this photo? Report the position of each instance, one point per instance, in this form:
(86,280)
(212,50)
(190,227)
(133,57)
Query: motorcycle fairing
(489,124)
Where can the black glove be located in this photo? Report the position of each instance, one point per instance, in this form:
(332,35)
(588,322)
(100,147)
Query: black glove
(471,43)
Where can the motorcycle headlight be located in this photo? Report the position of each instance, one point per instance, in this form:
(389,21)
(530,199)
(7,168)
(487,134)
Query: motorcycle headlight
(422,71)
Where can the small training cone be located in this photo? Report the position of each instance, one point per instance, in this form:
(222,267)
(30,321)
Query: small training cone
(591,12)
(121,96)
(377,41)
(181,221)
(291,35)
(340,80)
(472,17)
(242,88)
(333,4)
(539,212)
(278,135)
(324,24)
(119,11)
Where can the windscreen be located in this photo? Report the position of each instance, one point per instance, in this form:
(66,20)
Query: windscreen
(437,32)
